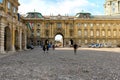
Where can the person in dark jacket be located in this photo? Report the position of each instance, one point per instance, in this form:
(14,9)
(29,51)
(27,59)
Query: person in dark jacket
(44,48)
(75,46)
(47,47)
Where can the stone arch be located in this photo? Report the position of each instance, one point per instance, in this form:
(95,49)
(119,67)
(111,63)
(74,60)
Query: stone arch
(7,39)
(62,41)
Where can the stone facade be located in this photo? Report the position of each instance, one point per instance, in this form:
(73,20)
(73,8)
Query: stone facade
(83,29)
(112,7)
(12,28)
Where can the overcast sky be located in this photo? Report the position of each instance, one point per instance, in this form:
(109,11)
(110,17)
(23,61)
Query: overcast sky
(55,7)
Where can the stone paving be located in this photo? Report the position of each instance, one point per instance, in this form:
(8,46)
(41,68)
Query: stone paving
(61,64)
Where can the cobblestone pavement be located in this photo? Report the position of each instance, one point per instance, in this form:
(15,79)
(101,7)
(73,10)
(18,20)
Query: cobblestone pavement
(61,64)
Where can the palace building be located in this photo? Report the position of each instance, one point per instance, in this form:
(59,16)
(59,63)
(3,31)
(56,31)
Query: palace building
(12,27)
(83,28)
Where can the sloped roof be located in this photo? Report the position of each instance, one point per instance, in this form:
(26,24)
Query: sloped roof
(34,15)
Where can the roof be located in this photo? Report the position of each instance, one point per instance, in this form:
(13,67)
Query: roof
(34,15)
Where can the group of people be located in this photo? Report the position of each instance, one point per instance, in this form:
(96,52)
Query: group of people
(46,48)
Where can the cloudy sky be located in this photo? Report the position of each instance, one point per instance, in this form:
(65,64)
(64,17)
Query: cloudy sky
(55,7)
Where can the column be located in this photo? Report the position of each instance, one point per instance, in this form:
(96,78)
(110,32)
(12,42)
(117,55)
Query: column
(2,29)
(13,39)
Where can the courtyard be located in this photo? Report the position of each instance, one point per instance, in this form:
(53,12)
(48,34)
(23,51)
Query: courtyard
(61,64)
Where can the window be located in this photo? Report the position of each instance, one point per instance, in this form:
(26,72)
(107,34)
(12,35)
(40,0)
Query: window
(91,33)
(38,32)
(85,33)
(47,25)
(85,25)
(115,33)
(98,41)
(103,33)
(79,33)
(97,33)
(109,33)
(78,24)
(71,26)
(97,24)
(86,41)
(79,41)
(1,1)
(71,33)
(59,25)
(91,25)
(14,9)
(47,33)
(9,5)
(103,25)
(38,25)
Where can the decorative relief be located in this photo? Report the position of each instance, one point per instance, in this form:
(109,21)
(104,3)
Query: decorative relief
(59,30)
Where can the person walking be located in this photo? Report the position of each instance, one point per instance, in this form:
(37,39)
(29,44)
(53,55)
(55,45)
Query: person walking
(47,47)
(53,46)
(75,48)
(44,48)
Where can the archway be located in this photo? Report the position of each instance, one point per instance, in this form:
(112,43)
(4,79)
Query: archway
(7,39)
(17,47)
(59,40)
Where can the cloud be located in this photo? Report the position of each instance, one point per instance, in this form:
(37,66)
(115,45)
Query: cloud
(55,7)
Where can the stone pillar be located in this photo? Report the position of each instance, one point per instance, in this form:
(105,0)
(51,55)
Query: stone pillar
(25,40)
(13,39)
(2,29)
(20,40)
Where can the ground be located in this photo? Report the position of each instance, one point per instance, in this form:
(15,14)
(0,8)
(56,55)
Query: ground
(61,64)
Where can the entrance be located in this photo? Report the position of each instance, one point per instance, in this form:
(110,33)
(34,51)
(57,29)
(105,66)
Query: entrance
(59,40)
(7,39)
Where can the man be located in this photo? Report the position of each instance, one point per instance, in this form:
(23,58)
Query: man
(75,48)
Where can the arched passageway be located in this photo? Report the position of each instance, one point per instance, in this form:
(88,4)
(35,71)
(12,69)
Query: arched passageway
(7,39)
(17,46)
(59,40)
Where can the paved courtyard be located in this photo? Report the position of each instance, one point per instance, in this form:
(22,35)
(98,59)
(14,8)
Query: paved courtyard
(61,64)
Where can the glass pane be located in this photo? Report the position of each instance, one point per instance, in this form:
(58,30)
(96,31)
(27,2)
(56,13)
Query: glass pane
(9,5)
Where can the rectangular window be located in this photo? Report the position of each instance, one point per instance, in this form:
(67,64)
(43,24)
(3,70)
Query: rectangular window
(115,33)
(14,9)
(9,5)
(91,33)
(38,32)
(91,25)
(97,33)
(85,33)
(103,33)
(86,41)
(109,33)
(71,26)
(59,25)
(47,25)
(79,33)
